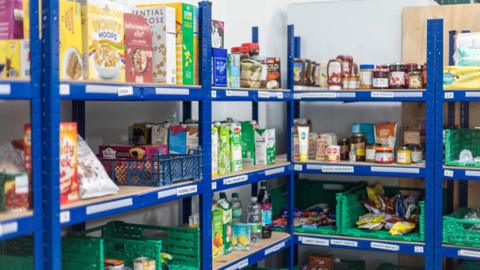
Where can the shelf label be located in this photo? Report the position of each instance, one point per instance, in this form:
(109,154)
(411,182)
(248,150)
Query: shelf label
(384,246)
(8,228)
(235,179)
(214,94)
(314,241)
(469,253)
(472,94)
(320,95)
(64,89)
(449,95)
(125,91)
(298,167)
(231,93)
(448,173)
(395,169)
(347,243)
(472,173)
(102,207)
(101,89)
(172,91)
(238,265)
(314,167)
(337,169)
(166,193)
(64,216)
(275,171)
(5,89)
(418,249)
(214,185)
(382,94)
(297,95)
(187,190)
(274,248)
(268,94)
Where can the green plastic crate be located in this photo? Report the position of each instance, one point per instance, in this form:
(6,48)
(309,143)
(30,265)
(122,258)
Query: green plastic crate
(17,254)
(457,231)
(350,204)
(82,253)
(457,140)
(279,198)
(339,265)
(389,266)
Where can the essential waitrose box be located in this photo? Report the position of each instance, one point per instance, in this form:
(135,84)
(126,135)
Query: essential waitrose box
(219,67)
(103,40)
(162,21)
(15,56)
(11,19)
(138,49)
(264,146)
(218,34)
(71,46)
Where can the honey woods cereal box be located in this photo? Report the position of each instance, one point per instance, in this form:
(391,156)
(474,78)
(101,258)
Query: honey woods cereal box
(138,49)
(71,47)
(103,40)
(68,163)
(162,23)
(15,56)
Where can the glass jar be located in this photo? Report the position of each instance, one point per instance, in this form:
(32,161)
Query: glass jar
(414,77)
(253,48)
(404,156)
(380,79)
(344,144)
(397,76)
(384,155)
(416,152)
(358,141)
(424,75)
(334,73)
(370,153)
(366,74)
(299,69)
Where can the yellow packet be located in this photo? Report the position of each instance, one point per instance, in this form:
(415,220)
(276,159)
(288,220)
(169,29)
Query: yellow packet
(401,228)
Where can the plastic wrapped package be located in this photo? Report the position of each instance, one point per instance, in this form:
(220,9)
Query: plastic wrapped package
(456,77)
(11,159)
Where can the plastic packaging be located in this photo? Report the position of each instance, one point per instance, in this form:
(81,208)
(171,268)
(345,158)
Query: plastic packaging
(266,204)
(303,142)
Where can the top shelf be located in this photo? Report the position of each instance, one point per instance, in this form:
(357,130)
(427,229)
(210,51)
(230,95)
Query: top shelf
(376,95)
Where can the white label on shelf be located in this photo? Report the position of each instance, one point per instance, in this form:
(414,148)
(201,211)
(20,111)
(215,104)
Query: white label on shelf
(235,179)
(314,167)
(275,171)
(275,248)
(448,173)
(8,228)
(125,91)
(21,183)
(395,169)
(418,249)
(64,216)
(382,94)
(472,94)
(449,95)
(239,265)
(187,190)
(472,173)
(469,253)
(408,94)
(347,95)
(214,185)
(297,95)
(298,167)
(231,93)
(314,241)
(268,94)
(320,95)
(337,169)
(102,207)
(347,243)
(5,89)
(101,89)
(166,193)
(384,246)
(64,89)
(214,94)
(172,91)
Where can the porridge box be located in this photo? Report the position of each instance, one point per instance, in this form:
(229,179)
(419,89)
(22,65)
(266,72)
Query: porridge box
(138,49)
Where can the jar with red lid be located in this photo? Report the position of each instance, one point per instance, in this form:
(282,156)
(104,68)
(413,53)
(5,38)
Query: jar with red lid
(243,51)
(414,77)
(380,79)
(397,76)
(334,73)
(347,62)
(253,48)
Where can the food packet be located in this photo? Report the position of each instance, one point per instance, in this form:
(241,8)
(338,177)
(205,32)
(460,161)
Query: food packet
(386,134)
(370,218)
(372,226)
(402,227)
(373,193)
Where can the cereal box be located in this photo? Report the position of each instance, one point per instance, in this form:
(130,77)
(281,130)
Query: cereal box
(162,23)
(177,139)
(274,80)
(71,47)
(219,67)
(138,49)
(103,39)
(11,19)
(15,58)
(68,163)
(192,136)
(26,19)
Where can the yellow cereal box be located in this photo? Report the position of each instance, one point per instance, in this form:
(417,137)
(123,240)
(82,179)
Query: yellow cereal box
(103,40)
(71,47)
(68,163)
(26,19)
(15,59)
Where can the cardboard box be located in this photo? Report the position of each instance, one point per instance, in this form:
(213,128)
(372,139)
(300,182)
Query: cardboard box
(11,19)
(138,49)
(71,45)
(274,75)
(233,70)
(248,143)
(103,40)
(177,139)
(162,22)
(236,147)
(159,134)
(192,136)
(217,232)
(130,152)
(26,19)
(265,149)
(316,262)
(16,58)
(218,34)
(68,163)
(219,67)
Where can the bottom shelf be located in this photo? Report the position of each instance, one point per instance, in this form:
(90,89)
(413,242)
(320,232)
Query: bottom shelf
(334,241)
(258,251)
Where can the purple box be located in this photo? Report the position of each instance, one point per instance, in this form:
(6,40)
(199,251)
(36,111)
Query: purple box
(11,19)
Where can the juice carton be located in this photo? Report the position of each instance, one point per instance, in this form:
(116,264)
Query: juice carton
(177,139)
(226,209)
(68,163)
(162,22)
(264,146)
(248,142)
(138,49)
(218,34)
(192,136)
(214,151)
(71,45)
(16,58)
(224,165)
(103,40)
(219,67)
(11,21)
(241,236)
(217,232)
(233,70)
(236,147)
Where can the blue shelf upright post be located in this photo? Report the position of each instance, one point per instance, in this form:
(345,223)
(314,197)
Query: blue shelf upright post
(50,136)
(255,105)
(435,84)
(186,202)
(36,134)
(205,107)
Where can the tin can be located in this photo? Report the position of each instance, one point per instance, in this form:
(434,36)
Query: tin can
(144,263)
(333,153)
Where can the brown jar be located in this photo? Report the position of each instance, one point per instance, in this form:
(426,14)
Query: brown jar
(397,76)
(380,79)
(344,144)
(358,140)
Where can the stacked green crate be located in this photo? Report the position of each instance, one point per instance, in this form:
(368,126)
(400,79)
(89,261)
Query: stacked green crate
(17,254)
(389,266)
(339,264)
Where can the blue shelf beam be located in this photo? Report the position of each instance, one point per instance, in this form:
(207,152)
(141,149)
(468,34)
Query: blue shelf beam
(225,94)
(456,173)
(364,95)
(16,227)
(16,90)
(456,252)
(461,95)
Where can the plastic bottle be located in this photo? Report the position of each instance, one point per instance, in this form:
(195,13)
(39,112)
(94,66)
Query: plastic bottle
(255,220)
(236,208)
(266,203)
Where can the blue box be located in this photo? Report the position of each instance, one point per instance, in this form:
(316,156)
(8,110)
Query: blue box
(367,129)
(219,66)
(177,139)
